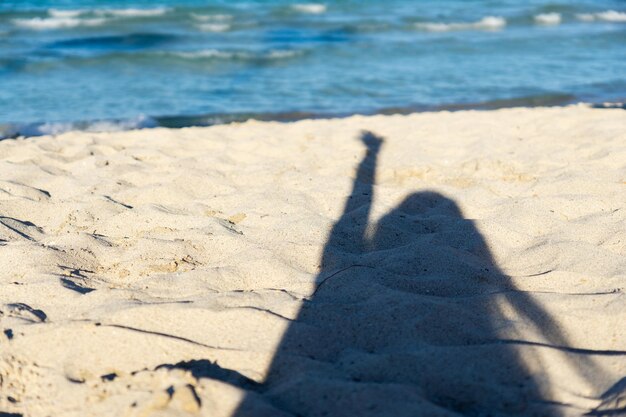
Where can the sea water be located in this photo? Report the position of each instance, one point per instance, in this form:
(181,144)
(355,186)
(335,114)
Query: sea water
(112,64)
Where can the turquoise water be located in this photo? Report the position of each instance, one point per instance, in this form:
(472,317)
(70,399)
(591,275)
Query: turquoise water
(105,65)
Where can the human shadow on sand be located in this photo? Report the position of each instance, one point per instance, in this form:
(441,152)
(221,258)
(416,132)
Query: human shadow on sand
(407,320)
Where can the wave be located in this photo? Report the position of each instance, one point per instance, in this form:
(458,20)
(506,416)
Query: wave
(280,54)
(130,12)
(40,23)
(214,27)
(211,17)
(486,23)
(64,19)
(157,11)
(548,18)
(244,55)
(310,8)
(205,53)
(57,128)
(65,13)
(607,16)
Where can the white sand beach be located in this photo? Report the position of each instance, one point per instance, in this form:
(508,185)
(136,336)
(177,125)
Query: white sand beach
(435,264)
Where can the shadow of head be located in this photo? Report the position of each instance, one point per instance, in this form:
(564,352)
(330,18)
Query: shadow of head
(428,203)
(430,225)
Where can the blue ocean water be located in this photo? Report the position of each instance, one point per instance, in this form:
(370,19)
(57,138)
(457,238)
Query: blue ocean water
(107,64)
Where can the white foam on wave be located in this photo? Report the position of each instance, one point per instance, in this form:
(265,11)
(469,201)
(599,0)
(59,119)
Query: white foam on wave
(57,128)
(211,17)
(64,19)
(486,23)
(213,27)
(140,122)
(214,53)
(157,11)
(548,18)
(49,128)
(586,17)
(39,23)
(280,54)
(612,16)
(205,53)
(311,8)
(607,16)
(65,13)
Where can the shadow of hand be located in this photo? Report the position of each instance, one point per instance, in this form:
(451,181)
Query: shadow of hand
(372,141)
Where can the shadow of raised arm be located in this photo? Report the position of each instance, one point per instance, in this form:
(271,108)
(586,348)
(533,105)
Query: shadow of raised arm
(348,233)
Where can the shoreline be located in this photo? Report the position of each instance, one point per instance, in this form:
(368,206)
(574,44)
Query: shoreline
(15,130)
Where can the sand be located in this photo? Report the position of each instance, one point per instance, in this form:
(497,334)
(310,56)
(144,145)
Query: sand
(436,264)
